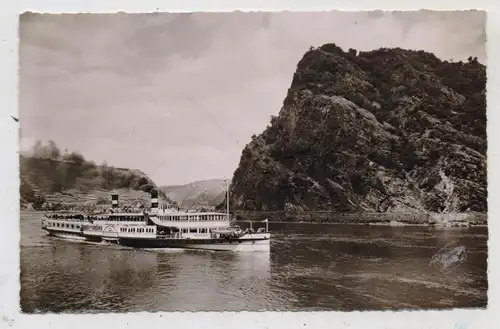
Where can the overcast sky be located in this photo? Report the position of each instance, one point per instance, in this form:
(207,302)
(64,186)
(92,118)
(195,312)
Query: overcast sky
(179,95)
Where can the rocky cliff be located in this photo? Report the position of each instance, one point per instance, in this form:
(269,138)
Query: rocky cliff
(387,130)
(51,179)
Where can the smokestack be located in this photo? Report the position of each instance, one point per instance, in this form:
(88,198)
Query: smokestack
(154,200)
(114,201)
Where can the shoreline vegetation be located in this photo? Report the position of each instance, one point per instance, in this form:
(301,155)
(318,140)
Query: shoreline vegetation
(55,179)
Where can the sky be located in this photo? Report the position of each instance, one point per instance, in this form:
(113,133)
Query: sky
(178,96)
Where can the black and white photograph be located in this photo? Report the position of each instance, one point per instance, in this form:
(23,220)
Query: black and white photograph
(253,161)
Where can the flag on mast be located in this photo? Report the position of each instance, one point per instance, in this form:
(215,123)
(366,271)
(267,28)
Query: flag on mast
(265,220)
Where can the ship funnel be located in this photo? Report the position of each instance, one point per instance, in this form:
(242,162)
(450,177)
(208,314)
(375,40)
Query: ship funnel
(154,200)
(114,201)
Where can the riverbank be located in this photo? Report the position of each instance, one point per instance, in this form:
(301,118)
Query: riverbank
(384,219)
(375,219)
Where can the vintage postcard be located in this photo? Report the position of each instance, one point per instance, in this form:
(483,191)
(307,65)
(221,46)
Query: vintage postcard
(253,161)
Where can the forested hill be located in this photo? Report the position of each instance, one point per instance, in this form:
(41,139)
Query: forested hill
(387,130)
(54,179)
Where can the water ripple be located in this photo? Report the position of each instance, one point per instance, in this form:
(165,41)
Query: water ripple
(318,267)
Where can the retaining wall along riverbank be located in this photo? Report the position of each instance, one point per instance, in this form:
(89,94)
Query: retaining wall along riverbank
(449,219)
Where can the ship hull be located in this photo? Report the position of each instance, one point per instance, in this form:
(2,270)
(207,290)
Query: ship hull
(204,244)
(238,244)
(68,236)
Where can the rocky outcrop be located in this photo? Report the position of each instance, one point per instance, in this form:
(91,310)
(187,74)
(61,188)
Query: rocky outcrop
(389,130)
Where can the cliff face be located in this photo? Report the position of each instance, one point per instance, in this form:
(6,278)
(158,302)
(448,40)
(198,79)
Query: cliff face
(51,179)
(387,130)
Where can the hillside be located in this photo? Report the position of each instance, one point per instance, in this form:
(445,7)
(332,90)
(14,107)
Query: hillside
(389,130)
(56,180)
(200,194)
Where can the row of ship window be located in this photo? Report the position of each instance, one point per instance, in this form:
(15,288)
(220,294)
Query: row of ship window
(51,224)
(194,230)
(136,230)
(151,230)
(212,241)
(93,228)
(130,229)
(70,233)
(125,219)
(192,218)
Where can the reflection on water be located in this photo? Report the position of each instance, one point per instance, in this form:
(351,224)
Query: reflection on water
(309,267)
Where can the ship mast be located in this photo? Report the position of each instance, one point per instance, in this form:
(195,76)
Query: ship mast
(227,198)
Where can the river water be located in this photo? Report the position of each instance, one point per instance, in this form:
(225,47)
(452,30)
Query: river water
(310,267)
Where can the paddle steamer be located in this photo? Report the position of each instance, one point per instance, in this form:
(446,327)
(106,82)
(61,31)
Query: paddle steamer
(162,226)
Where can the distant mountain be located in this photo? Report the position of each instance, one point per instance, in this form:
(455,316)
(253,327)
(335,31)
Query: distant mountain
(51,179)
(207,193)
(387,130)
